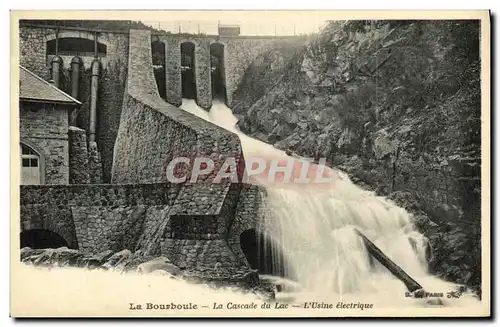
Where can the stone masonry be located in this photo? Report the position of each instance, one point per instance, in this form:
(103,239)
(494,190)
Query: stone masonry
(197,225)
(78,156)
(95,217)
(199,218)
(85,165)
(33,56)
(239,52)
(45,128)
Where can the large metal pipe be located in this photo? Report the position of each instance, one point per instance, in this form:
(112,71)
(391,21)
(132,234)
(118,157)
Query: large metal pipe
(76,66)
(93,98)
(56,65)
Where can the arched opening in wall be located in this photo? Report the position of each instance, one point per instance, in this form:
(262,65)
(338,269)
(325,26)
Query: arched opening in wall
(158,54)
(218,72)
(41,239)
(262,254)
(188,70)
(74,46)
(31,166)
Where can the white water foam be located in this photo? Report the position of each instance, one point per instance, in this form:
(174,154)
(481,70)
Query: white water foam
(316,232)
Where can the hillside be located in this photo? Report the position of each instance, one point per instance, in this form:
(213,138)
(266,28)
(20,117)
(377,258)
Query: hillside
(396,104)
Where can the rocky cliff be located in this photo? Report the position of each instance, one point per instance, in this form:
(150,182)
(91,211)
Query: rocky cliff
(396,104)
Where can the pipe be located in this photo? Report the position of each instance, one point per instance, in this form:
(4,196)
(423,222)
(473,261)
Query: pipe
(56,64)
(57,42)
(95,45)
(76,64)
(93,98)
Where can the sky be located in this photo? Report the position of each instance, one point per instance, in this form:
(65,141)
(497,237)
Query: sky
(250,22)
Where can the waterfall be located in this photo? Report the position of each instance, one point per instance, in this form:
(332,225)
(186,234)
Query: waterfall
(314,226)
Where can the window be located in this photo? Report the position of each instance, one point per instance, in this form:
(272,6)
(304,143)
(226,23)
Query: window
(30,166)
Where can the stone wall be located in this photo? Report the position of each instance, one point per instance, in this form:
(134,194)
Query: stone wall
(33,49)
(152,133)
(78,156)
(33,56)
(44,127)
(189,223)
(95,164)
(249,211)
(239,52)
(140,217)
(94,218)
(85,164)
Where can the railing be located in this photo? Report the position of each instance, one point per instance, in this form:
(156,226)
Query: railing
(246,29)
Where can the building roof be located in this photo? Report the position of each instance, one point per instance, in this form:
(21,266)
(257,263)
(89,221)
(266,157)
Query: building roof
(34,88)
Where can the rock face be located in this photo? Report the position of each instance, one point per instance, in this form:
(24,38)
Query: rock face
(394,104)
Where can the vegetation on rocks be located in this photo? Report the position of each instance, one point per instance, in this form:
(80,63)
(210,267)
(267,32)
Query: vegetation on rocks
(396,104)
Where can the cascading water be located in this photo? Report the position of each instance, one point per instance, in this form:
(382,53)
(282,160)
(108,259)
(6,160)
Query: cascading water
(314,226)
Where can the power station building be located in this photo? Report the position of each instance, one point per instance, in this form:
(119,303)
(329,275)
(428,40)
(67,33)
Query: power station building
(44,112)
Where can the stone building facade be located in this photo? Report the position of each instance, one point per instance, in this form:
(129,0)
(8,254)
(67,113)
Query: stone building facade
(35,55)
(44,112)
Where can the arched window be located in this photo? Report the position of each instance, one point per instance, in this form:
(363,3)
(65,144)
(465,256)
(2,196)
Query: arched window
(31,166)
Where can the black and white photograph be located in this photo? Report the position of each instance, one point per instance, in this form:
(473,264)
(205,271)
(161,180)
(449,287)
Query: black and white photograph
(250,164)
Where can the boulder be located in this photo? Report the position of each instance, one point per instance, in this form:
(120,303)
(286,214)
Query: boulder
(251,278)
(160,263)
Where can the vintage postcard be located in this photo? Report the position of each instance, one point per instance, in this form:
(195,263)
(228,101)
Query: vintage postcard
(250,164)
